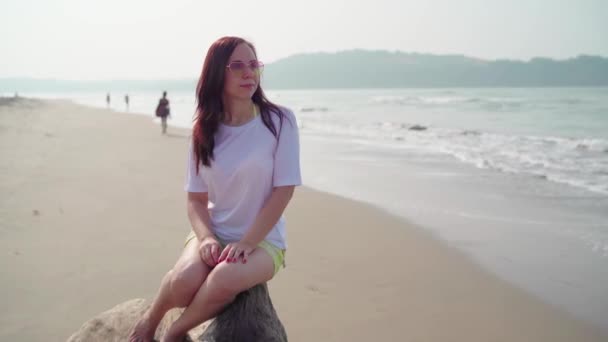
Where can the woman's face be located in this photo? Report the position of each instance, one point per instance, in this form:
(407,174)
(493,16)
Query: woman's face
(242,74)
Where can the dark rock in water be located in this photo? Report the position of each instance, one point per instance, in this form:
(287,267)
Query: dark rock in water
(250,318)
(417,128)
(470,132)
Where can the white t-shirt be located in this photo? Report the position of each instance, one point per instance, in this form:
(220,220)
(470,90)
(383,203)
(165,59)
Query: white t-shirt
(248,162)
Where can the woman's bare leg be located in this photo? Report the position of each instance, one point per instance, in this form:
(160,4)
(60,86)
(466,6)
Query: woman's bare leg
(225,281)
(177,288)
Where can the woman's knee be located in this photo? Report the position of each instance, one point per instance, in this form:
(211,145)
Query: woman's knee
(229,279)
(224,282)
(185,280)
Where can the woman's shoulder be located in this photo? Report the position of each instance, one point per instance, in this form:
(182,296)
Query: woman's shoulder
(286,112)
(282,109)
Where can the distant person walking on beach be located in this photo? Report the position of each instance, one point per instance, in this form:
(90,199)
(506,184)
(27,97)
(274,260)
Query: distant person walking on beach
(127,101)
(108,100)
(243,167)
(163,111)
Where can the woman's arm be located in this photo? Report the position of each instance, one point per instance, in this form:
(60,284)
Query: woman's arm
(199,214)
(266,219)
(269,215)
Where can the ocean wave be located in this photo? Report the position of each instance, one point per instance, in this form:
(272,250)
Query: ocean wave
(443,100)
(416,100)
(314,109)
(559,160)
(577,162)
(570,101)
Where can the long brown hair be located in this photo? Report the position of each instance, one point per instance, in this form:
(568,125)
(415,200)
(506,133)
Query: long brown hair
(209,107)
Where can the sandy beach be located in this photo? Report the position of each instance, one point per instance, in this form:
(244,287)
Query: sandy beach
(92,214)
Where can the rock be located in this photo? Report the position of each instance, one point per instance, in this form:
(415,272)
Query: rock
(250,318)
(417,128)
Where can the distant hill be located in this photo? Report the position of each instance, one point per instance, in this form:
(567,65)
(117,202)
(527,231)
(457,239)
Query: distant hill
(383,69)
(372,69)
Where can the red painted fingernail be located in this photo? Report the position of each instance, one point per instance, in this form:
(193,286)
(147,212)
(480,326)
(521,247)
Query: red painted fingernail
(244,261)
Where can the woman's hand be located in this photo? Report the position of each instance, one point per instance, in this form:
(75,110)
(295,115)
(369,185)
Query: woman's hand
(209,250)
(233,251)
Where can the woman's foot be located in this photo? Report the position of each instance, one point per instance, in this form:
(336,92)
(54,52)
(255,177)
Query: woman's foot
(143,330)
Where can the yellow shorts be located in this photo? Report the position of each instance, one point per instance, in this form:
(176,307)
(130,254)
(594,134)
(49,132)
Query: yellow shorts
(277,254)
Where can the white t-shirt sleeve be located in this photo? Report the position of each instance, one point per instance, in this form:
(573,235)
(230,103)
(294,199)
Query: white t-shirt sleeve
(287,155)
(194,181)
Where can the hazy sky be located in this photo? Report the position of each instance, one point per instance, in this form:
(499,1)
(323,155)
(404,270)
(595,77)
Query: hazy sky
(150,39)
